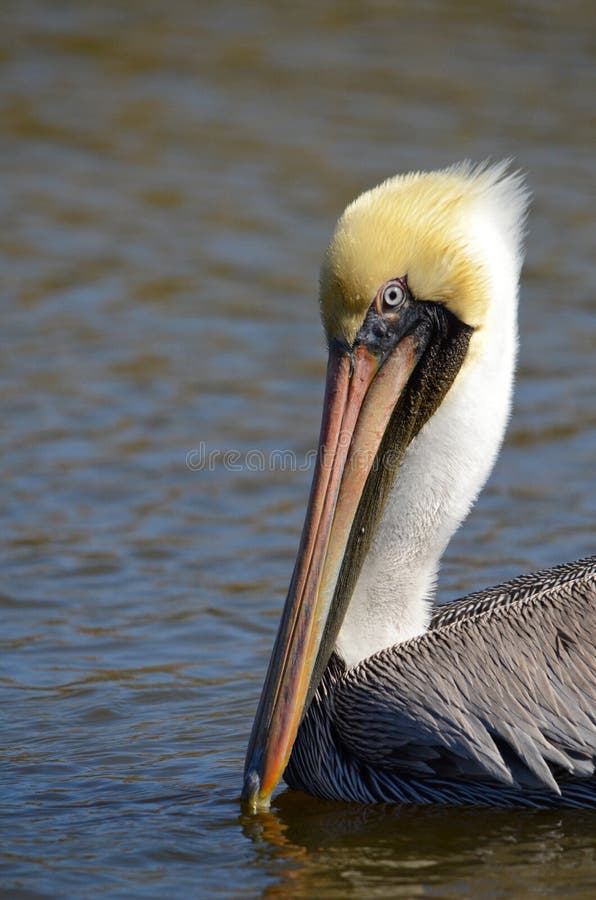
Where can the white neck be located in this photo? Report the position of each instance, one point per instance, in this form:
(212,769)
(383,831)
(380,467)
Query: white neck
(442,473)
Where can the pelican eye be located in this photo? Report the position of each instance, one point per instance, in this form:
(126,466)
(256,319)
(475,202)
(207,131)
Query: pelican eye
(394,294)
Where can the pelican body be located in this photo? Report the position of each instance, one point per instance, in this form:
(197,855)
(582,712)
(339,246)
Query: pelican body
(371,694)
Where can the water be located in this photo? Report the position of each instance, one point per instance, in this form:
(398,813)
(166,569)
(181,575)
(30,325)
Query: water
(171,173)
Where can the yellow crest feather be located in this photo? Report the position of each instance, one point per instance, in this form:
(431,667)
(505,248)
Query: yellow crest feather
(421,225)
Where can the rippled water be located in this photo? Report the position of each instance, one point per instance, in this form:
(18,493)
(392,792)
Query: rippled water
(170,175)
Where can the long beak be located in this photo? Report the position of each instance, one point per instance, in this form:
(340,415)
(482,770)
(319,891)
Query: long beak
(361,393)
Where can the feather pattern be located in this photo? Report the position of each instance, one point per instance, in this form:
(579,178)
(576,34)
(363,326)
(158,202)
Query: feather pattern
(495,704)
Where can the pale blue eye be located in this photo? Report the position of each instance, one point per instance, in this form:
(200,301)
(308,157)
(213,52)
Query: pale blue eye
(394,294)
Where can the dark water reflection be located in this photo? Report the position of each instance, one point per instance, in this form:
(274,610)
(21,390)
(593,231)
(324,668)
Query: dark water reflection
(170,175)
(340,850)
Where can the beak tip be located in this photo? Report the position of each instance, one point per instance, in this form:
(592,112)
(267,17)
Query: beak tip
(251,793)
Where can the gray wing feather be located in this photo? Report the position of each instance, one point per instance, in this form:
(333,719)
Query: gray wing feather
(501,689)
(523,587)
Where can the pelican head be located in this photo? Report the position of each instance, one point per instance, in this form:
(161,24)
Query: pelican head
(418,300)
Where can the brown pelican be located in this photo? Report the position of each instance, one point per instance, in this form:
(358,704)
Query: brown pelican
(371,695)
